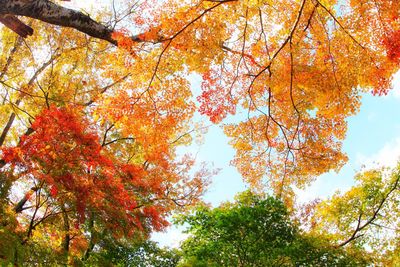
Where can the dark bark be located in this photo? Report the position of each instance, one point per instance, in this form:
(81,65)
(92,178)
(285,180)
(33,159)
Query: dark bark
(8,125)
(67,237)
(53,13)
(92,235)
(16,25)
(10,57)
(20,205)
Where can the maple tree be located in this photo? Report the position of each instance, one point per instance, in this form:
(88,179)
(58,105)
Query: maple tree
(95,110)
(74,171)
(296,69)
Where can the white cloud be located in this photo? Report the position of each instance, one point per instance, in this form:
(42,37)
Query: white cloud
(388,156)
(171,238)
(327,184)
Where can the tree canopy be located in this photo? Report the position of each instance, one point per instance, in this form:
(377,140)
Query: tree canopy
(95,108)
(297,69)
(366,215)
(256,231)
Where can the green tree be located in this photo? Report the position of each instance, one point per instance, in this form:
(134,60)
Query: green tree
(365,215)
(256,231)
(141,254)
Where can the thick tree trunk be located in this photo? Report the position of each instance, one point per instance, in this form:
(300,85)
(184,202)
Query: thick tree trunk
(67,237)
(92,234)
(53,13)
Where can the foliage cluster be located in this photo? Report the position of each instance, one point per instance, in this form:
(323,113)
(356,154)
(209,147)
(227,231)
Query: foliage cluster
(94,119)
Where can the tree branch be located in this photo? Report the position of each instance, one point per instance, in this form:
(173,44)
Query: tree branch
(52,13)
(371,220)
